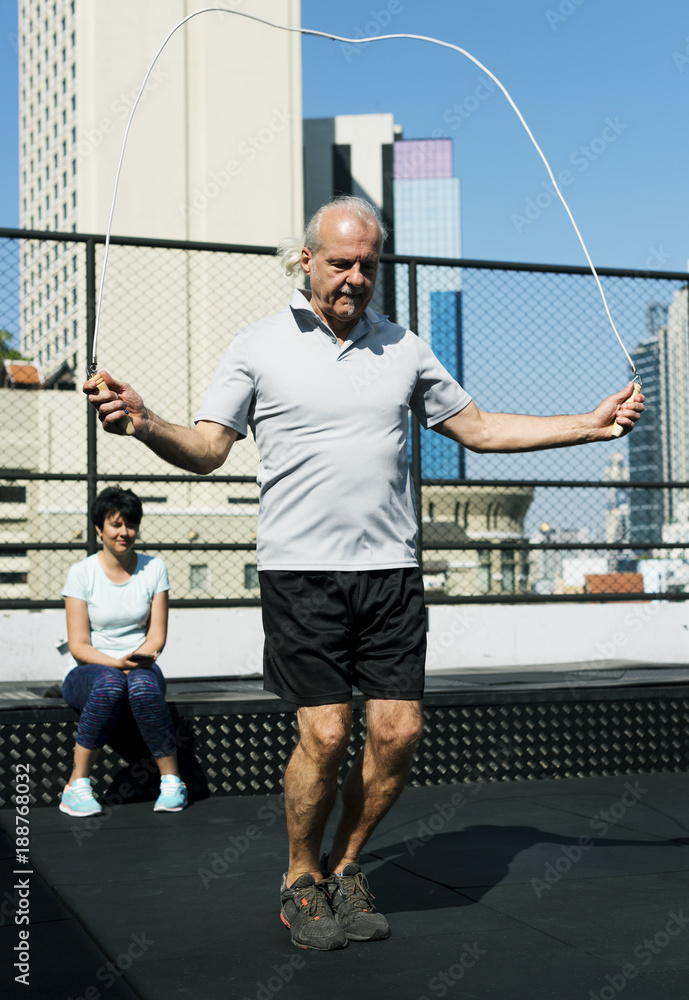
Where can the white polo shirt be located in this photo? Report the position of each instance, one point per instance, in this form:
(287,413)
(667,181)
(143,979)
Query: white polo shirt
(330,424)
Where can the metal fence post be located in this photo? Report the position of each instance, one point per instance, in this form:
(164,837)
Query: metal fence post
(415,426)
(91,416)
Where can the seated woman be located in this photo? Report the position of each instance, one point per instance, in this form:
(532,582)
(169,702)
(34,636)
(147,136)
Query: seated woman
(116,605)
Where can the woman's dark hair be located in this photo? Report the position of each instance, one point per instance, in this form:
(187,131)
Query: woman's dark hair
(115,500)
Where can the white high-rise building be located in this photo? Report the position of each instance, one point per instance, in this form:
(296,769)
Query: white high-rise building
(674,415)
(214,152)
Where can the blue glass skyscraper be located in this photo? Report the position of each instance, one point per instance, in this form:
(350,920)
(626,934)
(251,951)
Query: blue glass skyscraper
(426,224)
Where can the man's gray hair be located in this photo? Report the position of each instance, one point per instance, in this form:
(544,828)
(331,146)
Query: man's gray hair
(289,250)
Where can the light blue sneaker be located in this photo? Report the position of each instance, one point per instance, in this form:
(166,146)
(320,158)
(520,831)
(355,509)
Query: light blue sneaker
(173,795)
(78,800)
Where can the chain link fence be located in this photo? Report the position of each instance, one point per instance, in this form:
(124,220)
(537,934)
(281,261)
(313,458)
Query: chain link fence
(604,522)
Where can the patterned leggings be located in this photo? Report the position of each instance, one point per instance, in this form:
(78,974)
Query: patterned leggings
(100,693)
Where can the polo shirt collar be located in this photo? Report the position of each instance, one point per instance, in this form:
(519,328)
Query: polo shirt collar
(301,302)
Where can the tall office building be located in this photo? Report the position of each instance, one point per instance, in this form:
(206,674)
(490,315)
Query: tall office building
(427,224)
(200,164)
(674,415)
(646,444)
(659,447)
(352,154)
(411,182)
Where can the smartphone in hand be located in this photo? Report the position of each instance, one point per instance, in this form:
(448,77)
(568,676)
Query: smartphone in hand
(142,659)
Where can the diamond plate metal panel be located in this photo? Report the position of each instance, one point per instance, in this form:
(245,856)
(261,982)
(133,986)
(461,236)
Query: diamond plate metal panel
(246,754)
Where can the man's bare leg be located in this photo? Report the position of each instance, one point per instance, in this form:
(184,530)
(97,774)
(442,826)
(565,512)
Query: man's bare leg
(311,782)
(378,776)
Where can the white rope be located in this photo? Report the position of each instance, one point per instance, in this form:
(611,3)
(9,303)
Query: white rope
(349,41)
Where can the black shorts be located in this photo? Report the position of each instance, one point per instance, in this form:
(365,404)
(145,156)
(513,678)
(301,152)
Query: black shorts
(325,632)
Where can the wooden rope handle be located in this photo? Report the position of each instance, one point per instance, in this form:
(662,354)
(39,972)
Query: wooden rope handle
(124,425)
(617,429)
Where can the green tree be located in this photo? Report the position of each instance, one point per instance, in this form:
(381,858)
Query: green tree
(5,350)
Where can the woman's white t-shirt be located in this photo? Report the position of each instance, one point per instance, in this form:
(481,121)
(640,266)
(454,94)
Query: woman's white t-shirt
(118,612)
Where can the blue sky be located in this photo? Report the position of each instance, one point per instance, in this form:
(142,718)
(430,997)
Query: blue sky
(602,83)
(572,66)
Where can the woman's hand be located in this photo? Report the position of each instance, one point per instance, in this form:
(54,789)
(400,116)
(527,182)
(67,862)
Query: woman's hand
(125,664)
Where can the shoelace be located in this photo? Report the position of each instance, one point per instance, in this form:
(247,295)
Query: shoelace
(312,897)
(356,890)
(171,790)
(82,791)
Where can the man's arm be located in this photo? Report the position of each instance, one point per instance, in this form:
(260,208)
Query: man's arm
(200,449)
(509,432)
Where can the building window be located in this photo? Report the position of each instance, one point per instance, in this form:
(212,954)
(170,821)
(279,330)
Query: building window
(524,573)
(12,494)
(250,576)
(484,581)
(198,577)
(14,577)
(508,571)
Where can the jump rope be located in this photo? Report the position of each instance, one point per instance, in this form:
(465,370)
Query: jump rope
(125,425)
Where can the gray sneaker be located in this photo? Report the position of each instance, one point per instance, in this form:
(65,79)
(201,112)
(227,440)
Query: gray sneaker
(305,909)
(352,903)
